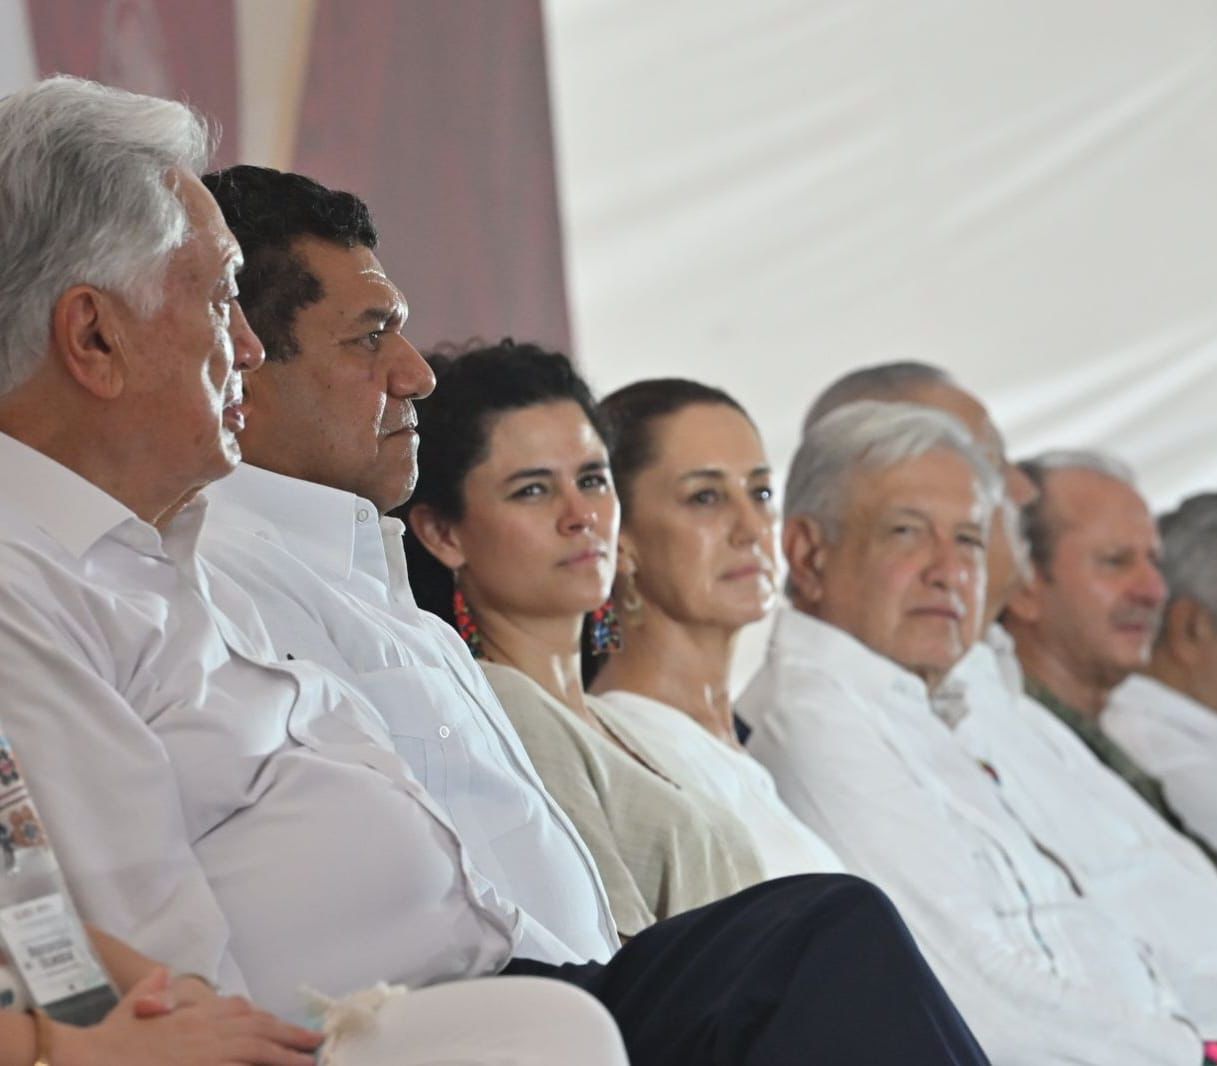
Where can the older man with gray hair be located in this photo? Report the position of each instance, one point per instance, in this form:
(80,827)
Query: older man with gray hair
(887,519)
(1166,717)
(1088,618)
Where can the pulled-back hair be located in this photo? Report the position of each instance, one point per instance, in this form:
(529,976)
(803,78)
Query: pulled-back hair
(87,197)
(630,415)
(889,382)
(473,388)
(268,211)
(1189,550)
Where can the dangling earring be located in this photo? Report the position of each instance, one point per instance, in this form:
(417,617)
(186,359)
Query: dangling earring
(465,625)
(631,601)
(605,629)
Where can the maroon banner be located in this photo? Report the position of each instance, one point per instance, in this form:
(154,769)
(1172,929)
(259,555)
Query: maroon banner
(437,113)
(184,51)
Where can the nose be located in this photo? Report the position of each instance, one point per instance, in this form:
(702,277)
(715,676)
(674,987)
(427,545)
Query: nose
(1150,587)
(951,566)
(247,350)
(410,375)
(751,524)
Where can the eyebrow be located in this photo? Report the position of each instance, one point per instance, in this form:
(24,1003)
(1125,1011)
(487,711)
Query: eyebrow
(381,314)
(720,475)
(545,471)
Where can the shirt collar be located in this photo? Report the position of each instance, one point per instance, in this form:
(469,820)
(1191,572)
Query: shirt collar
(64,505)
(315,522)
(839,653)
(1143,691)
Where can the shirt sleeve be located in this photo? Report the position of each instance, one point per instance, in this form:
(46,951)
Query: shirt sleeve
(105,790)
(849,783)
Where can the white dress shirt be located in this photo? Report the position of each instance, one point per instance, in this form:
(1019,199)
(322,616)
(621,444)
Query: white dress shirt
(1114,845)
(229,814)
(704,766)
(1173,738)
(329,580)
(1042,976)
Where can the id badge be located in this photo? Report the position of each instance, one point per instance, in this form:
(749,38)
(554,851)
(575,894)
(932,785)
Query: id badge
(48,948)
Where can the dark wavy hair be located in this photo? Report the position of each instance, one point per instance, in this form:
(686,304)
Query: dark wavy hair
(267,211)
(473,387)
(630,415)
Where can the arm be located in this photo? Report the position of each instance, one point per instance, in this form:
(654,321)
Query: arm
(858,787)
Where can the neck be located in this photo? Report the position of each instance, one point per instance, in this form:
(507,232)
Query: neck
(1041,665)
(96,451)
(546,649)
(686,667)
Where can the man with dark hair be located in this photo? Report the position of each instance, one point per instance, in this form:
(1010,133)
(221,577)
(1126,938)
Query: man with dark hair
(330,447)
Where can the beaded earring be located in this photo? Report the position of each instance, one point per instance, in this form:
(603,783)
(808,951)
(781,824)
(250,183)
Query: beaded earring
(605,629)
(465,625)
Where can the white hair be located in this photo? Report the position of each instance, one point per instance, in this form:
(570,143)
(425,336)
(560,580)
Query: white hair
(1080,459)
(86,197)
(1189,550)
(883,381)
(874,435)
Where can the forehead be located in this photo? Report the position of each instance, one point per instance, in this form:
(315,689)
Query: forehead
(940,483)
(547,434)
(1092,506)
(352,280)
(707,436)
(210,246)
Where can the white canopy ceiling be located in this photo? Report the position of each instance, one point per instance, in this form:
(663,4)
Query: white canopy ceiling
(766,194)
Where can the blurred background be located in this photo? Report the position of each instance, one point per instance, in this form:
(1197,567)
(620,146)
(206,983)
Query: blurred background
(760,195)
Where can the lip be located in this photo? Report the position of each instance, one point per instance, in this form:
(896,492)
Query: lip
(590,555)
(751,570)
(948,613)
(234,416)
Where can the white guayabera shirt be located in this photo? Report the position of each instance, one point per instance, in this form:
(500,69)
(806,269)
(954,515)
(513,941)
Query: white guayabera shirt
(329,580)
(1174,739)
(232,815)
(1042,976)
(1117,848)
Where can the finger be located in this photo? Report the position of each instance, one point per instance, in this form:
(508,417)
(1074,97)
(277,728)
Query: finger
(148,990)
(259,1052)
(152,1006)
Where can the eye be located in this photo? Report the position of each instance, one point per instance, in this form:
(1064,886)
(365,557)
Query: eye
(595,482)
(530,491)
(371,341)
(705,497)
(763,493)
(971,540)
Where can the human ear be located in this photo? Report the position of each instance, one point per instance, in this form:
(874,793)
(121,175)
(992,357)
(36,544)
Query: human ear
(87,338)
(438,535)
(1026,601)
(806,551)
(627,556)
(1187,631)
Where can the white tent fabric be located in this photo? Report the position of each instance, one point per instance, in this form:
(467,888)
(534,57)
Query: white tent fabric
(765,195)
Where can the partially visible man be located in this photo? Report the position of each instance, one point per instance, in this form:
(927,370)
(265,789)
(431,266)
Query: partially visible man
(887,517)
(1166,717)
(1088,618)
(1112,845)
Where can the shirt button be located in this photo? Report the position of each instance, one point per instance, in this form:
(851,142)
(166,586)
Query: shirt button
(363,514)
(444,731)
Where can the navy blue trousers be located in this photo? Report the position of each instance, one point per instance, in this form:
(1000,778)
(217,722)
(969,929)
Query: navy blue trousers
(816,970)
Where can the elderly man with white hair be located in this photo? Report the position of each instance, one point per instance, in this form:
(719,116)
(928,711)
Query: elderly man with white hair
(1165,718)
(887,518)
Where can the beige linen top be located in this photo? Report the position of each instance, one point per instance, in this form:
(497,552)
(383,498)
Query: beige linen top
(660,851)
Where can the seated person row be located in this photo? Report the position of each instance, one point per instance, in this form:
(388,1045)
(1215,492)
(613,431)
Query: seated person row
(515,520)
(258,825)
(887,520)
(1113,846)
(1166,717)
